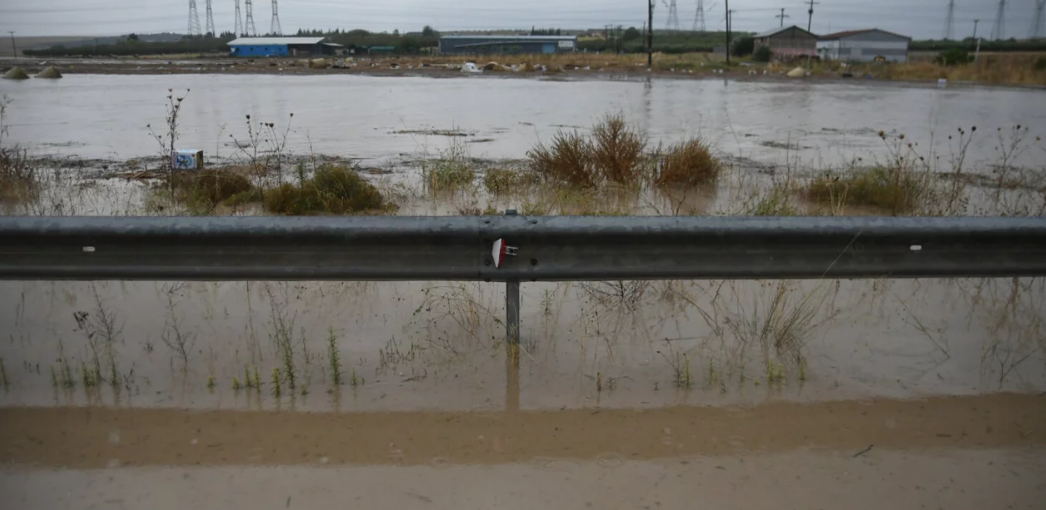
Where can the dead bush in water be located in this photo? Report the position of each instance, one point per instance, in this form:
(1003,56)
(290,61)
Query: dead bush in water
(690,163)
(568,160)
(617,150)
(168,141)
(335,189)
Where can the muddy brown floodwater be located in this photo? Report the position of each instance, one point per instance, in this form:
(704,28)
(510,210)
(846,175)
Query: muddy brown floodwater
(358,116)
(710,394)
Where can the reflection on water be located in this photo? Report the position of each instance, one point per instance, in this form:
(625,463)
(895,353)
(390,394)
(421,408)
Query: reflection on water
(105,116)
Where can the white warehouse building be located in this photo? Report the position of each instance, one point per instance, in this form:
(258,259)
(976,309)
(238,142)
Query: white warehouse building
(871,45)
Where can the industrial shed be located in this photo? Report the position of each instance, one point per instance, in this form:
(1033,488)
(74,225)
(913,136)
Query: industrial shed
(282,47)
(788,42)
(510,44)
(871,45)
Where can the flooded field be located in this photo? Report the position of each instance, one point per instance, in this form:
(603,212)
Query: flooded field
(738,394)
(379,118)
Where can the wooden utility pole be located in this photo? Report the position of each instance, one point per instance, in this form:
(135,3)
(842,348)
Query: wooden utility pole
(14,48)
(650,35)
(782,17)
(727,31)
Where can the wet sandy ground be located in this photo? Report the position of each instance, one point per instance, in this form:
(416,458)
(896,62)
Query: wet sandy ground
(970,479)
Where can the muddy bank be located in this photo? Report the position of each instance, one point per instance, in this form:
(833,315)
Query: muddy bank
(90,438)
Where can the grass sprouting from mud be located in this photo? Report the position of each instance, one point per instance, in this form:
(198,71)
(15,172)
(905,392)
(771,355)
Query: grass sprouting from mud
(334,357)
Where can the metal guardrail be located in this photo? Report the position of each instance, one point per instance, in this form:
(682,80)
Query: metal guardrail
(549,248)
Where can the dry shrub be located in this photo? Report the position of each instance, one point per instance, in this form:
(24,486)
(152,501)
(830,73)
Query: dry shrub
(895,188)
(688,164)
(335,189)
(18,176)
(568,160)
(617,150)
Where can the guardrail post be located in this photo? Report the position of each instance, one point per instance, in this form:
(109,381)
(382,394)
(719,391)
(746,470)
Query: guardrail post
(512,310)
(512,303)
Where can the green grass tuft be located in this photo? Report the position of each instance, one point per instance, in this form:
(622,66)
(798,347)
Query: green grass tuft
(894,189)
(335,189)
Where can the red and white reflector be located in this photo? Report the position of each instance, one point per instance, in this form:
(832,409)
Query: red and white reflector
(500,250)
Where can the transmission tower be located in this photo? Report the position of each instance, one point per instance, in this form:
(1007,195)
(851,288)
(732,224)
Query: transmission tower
(238,31)
(249,23)
(194,19)
(1000,21)
(210,20)
(275,26)
(949,24)
(699,17)
(673,16)
(1037,31)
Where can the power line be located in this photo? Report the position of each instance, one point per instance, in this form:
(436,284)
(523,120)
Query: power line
(1036,23)
(949,24)
(249,26)
(238,28)
(699,17)
(782,16)
(194,19)
(1000,22)
(274,28)
(210,20)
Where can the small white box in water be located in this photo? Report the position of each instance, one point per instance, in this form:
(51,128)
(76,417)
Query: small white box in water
(186,159)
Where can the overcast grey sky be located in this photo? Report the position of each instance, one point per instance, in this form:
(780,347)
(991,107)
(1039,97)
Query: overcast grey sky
(919,18)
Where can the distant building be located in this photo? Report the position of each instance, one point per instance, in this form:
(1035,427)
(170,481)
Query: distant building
(508,44)
(283,47)
(788,43)
(871,45)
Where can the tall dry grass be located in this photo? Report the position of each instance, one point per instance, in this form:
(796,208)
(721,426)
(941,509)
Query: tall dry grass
(690,163)
(617,149)
(998,69)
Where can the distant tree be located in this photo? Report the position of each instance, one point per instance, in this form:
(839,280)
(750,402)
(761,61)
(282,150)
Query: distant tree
(762,54)
(396,32)
(132,37)
(953,57)
(428,32)
(631,34)
(559,31)
(742,46)
(408,45)
(300,32)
